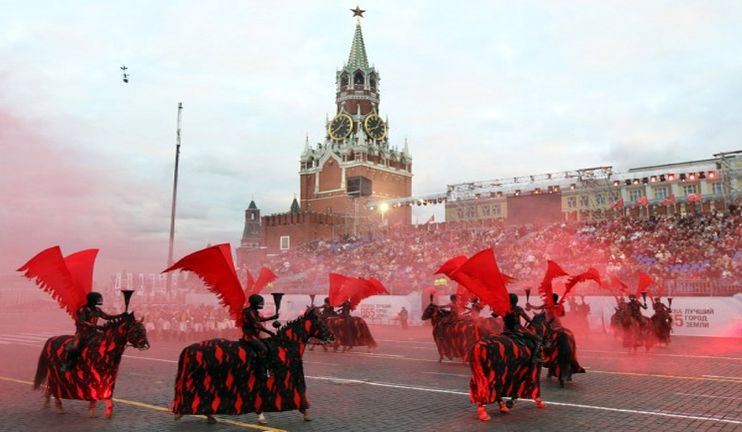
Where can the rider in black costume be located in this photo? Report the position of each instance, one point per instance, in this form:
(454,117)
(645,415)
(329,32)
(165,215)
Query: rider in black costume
(252,326)
(86,327)
(515,329)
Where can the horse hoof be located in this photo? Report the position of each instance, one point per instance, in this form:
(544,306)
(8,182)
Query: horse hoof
(482,412)
(540,403)
(178,417)
(262,419)
(504,409)
(307,417)
(210,419)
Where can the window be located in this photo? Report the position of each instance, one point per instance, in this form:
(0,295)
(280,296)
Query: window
(358,78)
(572,202)
(635,194)
(460,213)
(344,80)
(689,189)
(471,212)
(285,242)
(496,210)
(584,201)
(661,193)
(717,188)
(600,199)
(486,211)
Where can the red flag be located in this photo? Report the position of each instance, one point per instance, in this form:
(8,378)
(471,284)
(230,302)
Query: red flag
(264,278)
(215,267)
(644,282)
(481,276)
(462,296)
(51,274)
(620,286)
(250,284)
(336,288)
(694,197)
(553,271)
(450,266)
(669,200)
(590,274)
(618,203)
(643,201)
(364,288)
(80,264)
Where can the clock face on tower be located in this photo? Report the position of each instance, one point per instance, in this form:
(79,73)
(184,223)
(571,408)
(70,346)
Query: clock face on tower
(375,127)
(340,127)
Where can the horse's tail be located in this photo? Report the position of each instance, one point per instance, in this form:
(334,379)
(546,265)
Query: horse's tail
(42,369)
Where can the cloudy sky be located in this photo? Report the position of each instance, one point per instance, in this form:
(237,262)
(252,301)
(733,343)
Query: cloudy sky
(481,90)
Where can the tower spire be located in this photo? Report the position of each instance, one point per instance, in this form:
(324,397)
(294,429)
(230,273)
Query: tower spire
(357,57)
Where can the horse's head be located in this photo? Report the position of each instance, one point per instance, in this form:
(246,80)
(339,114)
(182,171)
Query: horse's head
(540,325)
(430,311)
(309,325)
(134,331)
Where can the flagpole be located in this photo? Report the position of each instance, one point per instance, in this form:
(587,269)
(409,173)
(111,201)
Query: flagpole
(175,195)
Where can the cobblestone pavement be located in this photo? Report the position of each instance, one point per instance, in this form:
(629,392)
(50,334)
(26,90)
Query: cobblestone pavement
(694,384)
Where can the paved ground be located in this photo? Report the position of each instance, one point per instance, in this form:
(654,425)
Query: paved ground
(695,384)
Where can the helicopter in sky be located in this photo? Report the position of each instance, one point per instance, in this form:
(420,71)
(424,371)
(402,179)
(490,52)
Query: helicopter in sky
(124,75)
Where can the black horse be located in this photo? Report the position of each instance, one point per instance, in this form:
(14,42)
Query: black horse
(94,376)
(218,376)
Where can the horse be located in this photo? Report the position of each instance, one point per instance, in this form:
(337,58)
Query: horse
(502,366)
(218,376)
(662,327)
(635,332)
(560,353)
(350,332)
(93,377)
(453,337)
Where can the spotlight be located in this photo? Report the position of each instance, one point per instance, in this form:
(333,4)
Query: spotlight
(628,182)
(692,176)
(499,194)
(550,189)
(476,196)
(662,177)
(517,192)
(701,175)
(645,180)
(556,188)
(383,207)
(653,179)
(712,174)
(682,177)
(636,181)
(536,191)
(371,208)
(572,186)
(671,177)
(616,183)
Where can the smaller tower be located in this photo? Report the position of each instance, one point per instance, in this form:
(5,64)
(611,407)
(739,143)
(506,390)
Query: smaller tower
(251,234)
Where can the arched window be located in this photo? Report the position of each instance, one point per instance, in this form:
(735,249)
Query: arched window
(358,78)
(344,80)
(372,81)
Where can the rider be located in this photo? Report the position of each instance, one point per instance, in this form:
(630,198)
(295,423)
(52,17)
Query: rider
(454,307)
(514,328)
(344,312)
(553,318)
(86,327)
(661,316)
(327,309)
(634,308)
(252,327)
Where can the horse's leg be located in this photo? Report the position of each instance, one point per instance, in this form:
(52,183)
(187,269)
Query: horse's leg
(482,412)
(91,409)
(503,408)
(539,403)
(47,399)
(262,419)
(109,408)
(306,415)
(210,419)
(58,405)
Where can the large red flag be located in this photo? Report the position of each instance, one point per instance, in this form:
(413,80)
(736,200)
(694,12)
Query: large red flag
(215,267)
(617,204)
(80,264)
(481,276)
(644,282)
(591,274)
(553,271)
(365,288)
(250,284)
(336,288)
(264,278)
(451,265)
(619,285)
(51,274)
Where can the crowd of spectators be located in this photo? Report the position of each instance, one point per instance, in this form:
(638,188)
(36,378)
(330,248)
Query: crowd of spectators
(693,246)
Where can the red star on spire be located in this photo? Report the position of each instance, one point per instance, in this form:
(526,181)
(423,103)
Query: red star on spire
(357,12)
